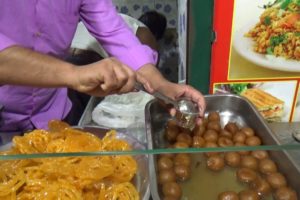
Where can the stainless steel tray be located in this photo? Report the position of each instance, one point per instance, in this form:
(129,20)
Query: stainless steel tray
(137,131)
(86,118)
(231,108)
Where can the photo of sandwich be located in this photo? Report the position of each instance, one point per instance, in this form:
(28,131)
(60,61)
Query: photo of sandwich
(270,107)
(273,99)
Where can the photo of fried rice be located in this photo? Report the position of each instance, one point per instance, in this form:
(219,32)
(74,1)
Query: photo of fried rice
(278,31)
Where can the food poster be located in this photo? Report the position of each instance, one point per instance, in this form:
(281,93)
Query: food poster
(256,54)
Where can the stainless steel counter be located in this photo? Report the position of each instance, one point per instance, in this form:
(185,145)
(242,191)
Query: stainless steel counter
(283,132)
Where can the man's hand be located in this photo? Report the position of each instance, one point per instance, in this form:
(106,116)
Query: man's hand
(108,76)
(175,91)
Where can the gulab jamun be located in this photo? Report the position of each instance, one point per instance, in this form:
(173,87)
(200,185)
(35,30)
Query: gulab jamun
(267,166)
(285,193)
(164,163)
(246,175)
(248,131)
(248,195)
(232,159)
(228,195)
(198,141)
(249,162)
(172,189)
(182,172)
(276,180)
(215,163)
(165,176)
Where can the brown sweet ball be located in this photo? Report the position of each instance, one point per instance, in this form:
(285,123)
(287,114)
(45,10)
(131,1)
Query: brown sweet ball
(180,145)
(285,193)
(260,154)
(228,195)
(183,159)
(243,153)
(199,130)
(231,127)
(198,141)
(213,116)
(210,136)
(211,145)
(205,122)
(185,130)
(164,163)
(166,175)
(249,162)
(170,198)
(261,186)
(253,141)
(232,159)
(215,163)
(171,131)
(276,180)
(171,134)
(246,175)
(185,138)
(225,133)
(239,136)
(172,189)
(267,166)
(224,142)
(182,172)
(214,125)
(248,131)
(248,195)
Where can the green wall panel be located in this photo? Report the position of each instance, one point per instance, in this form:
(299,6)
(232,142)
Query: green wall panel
(199,43)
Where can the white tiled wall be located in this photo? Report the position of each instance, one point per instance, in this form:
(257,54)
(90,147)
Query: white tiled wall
(135,8)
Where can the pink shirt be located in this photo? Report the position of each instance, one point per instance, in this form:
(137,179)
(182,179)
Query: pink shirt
(48,26)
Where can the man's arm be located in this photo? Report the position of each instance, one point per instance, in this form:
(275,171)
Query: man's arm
(22,66)
(107,26)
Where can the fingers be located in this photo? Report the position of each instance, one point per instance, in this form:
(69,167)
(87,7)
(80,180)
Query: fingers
(126,79)
(197,97)
(117,78)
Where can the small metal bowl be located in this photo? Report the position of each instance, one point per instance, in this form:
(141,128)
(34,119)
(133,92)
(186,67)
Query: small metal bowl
(187,113)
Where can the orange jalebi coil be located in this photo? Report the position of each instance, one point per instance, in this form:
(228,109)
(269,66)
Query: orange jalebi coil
(99,177)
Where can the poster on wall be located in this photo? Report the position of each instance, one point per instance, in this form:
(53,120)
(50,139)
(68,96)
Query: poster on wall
(257,55)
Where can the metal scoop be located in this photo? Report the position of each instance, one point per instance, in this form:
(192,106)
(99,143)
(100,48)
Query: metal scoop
(186,111)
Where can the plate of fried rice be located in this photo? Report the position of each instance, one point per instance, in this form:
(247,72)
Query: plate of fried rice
(274,41)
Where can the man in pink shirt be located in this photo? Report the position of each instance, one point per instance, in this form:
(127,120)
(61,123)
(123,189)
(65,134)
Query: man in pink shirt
(35,36)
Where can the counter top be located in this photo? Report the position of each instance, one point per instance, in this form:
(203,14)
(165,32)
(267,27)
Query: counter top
(283,132)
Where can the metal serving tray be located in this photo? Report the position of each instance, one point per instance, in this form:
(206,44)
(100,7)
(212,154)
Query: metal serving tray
(231,108)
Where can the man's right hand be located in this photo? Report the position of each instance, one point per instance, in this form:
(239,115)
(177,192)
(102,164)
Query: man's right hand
(108,76)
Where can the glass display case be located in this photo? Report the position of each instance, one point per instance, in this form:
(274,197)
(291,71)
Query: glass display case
(233,153)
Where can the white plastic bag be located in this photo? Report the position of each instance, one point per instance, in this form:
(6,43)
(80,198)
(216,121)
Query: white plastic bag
(121,111)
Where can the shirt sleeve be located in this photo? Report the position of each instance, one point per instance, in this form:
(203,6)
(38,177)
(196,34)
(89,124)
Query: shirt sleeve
(103,22)
(5,42)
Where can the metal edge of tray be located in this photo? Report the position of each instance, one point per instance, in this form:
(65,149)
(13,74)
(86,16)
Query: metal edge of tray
(86,118)
(152,169)
(289,166)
